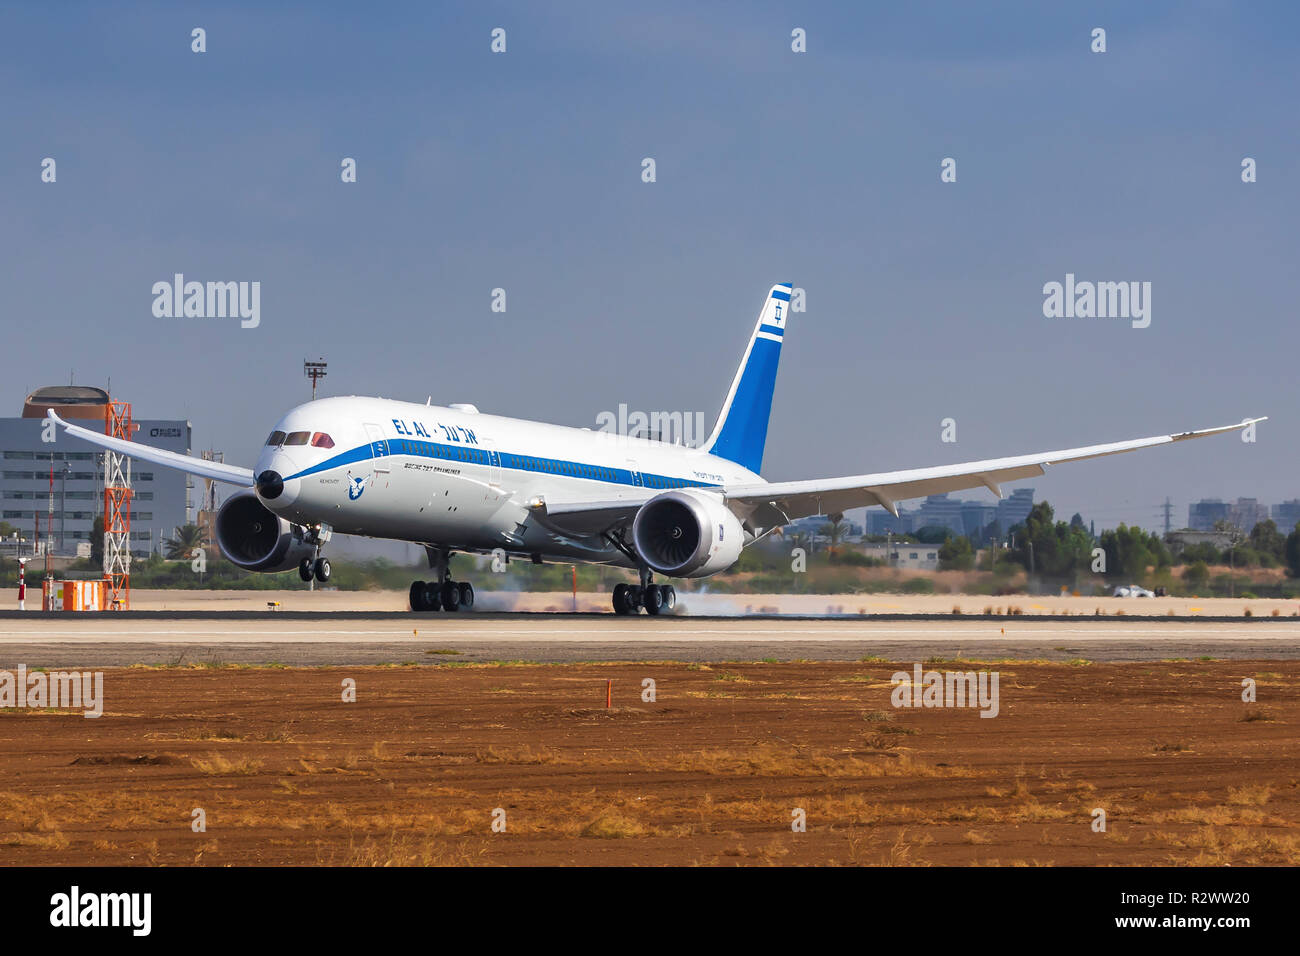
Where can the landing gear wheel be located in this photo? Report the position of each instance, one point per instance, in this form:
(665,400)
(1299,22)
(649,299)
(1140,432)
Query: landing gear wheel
(322,570)
(418,602)
(305,569)
(653,599)
(432,596)
(670,596)
(466,595)
(450,596)
(620,599)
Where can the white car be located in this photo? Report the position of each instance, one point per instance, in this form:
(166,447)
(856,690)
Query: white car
(1132,590)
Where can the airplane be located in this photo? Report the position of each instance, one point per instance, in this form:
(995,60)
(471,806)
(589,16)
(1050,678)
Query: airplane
(456,480)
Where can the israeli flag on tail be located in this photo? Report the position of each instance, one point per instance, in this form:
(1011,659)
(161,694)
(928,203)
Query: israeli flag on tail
(741,431)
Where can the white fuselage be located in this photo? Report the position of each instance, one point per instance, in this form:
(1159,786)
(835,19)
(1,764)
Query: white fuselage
(465,480)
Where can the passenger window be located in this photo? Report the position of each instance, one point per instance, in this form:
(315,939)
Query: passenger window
(321,440)
(275,438)
(297,438)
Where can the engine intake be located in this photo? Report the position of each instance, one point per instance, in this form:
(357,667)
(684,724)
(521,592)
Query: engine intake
(256,539)
(687,534)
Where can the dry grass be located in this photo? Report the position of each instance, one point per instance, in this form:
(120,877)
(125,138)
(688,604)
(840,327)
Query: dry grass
(523,756)
(1215,847)
(610,825)
(54,840)
(770,760)
(217,765)
(406,850)
(1250,795)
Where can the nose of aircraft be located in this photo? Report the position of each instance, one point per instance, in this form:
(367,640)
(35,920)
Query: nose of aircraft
(269,484)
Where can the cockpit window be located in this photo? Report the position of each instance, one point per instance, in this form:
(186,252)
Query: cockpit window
(276,438)
(297,438)
(321,440)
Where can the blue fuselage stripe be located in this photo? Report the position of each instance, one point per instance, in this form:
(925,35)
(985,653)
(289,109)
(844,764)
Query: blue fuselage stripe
(393,447)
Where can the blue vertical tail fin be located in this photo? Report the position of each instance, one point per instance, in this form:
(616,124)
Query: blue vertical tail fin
(741,431)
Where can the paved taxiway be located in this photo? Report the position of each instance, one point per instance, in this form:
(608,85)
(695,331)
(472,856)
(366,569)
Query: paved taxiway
(378,638)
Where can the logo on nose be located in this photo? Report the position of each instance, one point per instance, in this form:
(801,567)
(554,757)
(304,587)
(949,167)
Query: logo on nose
(356,485)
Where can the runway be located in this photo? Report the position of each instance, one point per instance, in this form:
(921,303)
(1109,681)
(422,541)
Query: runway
(334,639)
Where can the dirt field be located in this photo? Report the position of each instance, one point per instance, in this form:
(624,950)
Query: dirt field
(709,773)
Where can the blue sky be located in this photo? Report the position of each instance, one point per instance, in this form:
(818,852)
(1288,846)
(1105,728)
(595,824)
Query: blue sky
(522,171)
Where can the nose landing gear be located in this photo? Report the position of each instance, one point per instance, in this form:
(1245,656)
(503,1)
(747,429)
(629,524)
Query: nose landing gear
(317,567)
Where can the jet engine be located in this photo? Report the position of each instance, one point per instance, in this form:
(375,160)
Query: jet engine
(687,534)
(254,538)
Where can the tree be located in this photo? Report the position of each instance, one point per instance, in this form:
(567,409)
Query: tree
(956,554)
(835,528)
(1130,551)
(1266,539)
(1196,574)
(932,534)
(184,540)
(1054,549)
(1241,555)
(1292,551)
(1202,551)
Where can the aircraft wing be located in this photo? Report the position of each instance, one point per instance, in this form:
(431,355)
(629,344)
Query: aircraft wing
(770,505)
(159,456)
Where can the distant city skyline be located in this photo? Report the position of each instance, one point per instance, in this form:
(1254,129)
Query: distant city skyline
(970,517)
(1244,513)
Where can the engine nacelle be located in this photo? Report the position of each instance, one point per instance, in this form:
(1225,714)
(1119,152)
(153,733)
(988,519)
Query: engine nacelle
(687,534)
(256,539)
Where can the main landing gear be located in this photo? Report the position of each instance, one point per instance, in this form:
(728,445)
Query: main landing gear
(443,594)
(655,598)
